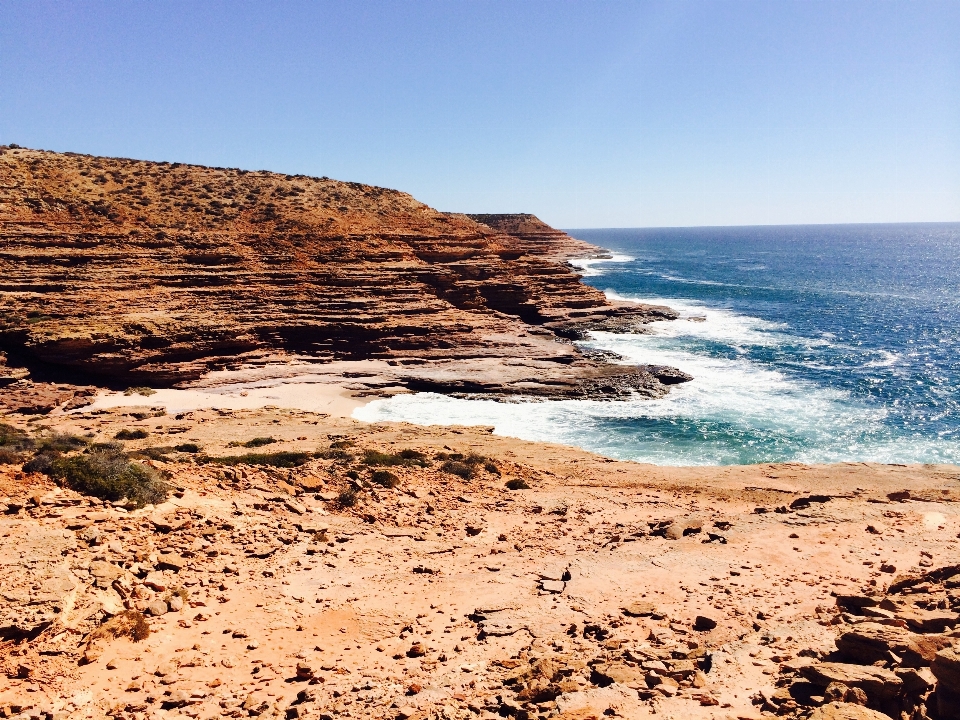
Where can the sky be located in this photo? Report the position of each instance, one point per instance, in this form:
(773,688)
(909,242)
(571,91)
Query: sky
(592,113)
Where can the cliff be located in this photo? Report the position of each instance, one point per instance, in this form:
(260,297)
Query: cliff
(132,271)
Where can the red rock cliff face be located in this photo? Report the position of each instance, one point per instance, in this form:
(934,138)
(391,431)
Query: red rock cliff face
(133,270)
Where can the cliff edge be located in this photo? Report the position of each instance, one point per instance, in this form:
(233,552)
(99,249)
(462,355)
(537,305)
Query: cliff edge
(128,271)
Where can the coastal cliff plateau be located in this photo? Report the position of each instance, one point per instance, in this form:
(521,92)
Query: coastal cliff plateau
(125,271)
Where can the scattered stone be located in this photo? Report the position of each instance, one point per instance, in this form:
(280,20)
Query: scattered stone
(702,623)
(418,649)
(157,608)
(639,609)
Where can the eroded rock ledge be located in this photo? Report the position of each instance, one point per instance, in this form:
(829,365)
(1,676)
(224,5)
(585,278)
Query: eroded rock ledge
(129,271)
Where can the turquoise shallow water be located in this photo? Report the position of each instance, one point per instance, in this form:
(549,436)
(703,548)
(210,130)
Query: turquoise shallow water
(807,343)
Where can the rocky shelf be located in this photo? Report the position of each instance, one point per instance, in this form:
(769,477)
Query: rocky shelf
(124,271)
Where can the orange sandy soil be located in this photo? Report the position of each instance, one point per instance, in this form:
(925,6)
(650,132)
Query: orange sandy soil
(443,597)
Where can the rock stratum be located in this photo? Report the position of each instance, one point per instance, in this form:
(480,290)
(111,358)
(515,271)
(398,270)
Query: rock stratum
(128,271)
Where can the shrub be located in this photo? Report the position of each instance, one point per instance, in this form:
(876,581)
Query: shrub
(471,459)
(42,461)
(129,623)
(10,457)
(342,444)
(277,459)
(384,478)
(153,453)
(336,454)
(409,454)
(491,468)
(404,457)
(105,471)
(461,469)
(61,443)
(347,498)
(135,434)
(517,484)
(187,448)
(145,391)
(259,442)
(14,438)
(353,474)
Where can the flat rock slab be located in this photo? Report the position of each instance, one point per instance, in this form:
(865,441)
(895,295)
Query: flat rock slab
(877,683)
(868,643)
(35,580)
(846,711)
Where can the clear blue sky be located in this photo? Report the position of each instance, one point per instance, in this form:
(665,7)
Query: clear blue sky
(587,113)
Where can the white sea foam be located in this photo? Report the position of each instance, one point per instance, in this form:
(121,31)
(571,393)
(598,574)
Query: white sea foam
(735,410)
(698,321)
(593,267)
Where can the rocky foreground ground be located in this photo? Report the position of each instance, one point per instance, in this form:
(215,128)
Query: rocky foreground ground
(592,588)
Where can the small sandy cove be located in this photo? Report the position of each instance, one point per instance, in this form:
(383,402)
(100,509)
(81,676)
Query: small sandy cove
(596,589)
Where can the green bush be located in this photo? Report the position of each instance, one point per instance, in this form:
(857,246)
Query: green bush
(135,434)
(347,498)
(404,457)
(336,454)
(145,391)
(41,461)
(259,442)
(384,478)
(14,438)
(61,443)
(105,471)
(471,459)
(460,469)
(277,459)
(187,448)
(153,453)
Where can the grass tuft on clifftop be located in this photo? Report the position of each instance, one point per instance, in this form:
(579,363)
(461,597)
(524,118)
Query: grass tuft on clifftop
(284,459)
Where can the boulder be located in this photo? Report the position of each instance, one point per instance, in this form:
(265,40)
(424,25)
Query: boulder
(930,620)
(702,623)
(639,609)
(879,684)
(916,681)
(867,643)
(946,668)
(607,673)
(157,608)
(846,711)
(683,526)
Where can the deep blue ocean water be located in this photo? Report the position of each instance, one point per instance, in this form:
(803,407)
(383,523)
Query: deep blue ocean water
(807,343)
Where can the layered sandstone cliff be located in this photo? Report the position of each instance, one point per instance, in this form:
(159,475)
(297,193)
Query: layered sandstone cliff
(135,271)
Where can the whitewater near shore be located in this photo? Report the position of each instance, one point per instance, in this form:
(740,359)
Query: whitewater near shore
(596,588)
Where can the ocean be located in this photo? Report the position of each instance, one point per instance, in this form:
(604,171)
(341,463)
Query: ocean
(806,343)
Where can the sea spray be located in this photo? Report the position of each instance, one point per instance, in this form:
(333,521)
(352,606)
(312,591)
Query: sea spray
(811,344)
